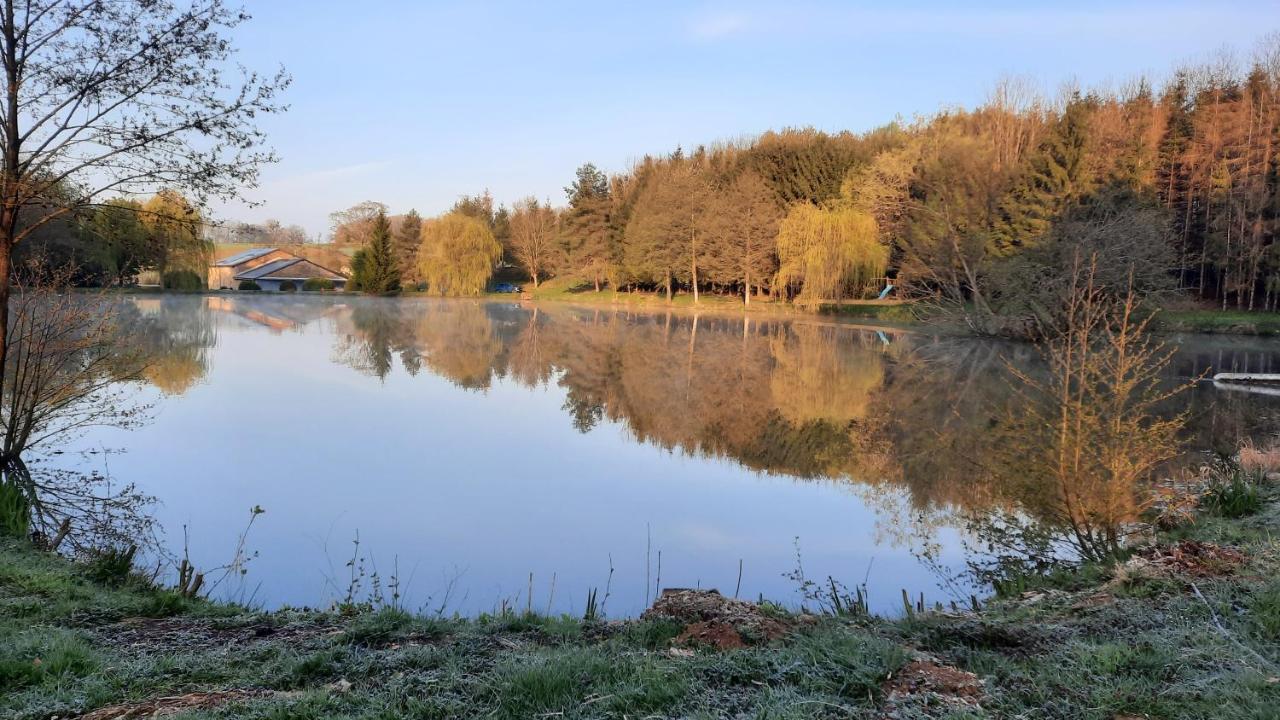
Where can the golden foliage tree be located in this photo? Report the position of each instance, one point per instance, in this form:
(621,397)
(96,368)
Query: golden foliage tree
(175,227)
(1087,437)
(827,252)
(457,255)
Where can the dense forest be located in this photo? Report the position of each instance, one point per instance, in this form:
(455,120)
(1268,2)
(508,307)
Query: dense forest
(1173,189)
(1174,184)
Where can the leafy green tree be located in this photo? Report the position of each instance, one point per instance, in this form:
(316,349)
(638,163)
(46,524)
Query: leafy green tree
(945,242)
(378,271)
(457,255)
(359,263)
(119,240)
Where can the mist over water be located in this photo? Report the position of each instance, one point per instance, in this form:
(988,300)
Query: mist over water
(468,444)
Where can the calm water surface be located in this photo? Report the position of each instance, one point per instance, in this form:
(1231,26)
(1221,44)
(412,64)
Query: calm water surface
(470,443)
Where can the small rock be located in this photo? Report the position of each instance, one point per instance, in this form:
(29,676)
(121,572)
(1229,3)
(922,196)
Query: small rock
(340,686)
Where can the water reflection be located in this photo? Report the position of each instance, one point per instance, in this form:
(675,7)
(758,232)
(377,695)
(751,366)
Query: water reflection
(461,440)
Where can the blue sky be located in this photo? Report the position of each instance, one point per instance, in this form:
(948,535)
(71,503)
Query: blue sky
(414,103)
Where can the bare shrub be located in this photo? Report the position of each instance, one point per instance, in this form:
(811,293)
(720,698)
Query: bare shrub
(1085,439)
(67,365)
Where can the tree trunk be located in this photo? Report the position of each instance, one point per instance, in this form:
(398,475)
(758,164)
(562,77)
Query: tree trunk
(6,258)
(746,289)
(668,286)
(693,263)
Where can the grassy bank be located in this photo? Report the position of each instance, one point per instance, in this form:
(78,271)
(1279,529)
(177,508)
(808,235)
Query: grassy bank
(1188,629)
(1232,322)
(886,311)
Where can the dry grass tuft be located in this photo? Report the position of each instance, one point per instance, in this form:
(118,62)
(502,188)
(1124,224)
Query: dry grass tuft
(1260,459)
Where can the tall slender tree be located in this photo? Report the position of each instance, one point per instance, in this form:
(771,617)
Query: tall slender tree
(381,273)
(533,229)
(587,229)
(405,241)
(1056,174)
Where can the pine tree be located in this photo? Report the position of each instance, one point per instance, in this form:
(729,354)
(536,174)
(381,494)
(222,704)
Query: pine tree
(405,242)
(588,237)
(381,275)
(1055,176)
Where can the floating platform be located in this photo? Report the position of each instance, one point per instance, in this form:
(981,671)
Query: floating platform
(1248,378)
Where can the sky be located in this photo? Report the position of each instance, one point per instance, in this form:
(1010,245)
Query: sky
(413,103)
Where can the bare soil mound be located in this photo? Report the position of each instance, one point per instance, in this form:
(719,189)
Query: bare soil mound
(713,619)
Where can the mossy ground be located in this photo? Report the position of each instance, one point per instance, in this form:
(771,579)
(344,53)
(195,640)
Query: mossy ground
(1102,643)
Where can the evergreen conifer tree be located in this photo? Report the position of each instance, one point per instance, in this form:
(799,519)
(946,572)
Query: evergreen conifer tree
(1055,176)
(405,242)
(381,274)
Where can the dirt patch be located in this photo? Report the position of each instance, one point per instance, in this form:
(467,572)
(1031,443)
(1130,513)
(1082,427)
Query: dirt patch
(179,633)
(1193,558)
(928,684)
(718,620)
(718,635)
(1014,640)
(166,706)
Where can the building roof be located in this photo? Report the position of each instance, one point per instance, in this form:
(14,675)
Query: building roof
(289,269)
(244,257)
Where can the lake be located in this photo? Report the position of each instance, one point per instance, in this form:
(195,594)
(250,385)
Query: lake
(470,446)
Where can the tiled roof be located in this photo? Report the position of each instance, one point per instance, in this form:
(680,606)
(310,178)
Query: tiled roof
(243,257)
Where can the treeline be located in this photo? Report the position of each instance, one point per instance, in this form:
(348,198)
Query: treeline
(114,242)
(1175,183)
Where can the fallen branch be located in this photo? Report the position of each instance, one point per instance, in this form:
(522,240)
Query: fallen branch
(1217,623)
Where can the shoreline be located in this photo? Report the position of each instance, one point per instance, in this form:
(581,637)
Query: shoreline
(1186,627)
(871,314)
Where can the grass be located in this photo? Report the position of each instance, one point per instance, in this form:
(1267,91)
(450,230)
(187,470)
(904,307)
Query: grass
(1236,322)
(1235,493)
(1101,642)
(573,291)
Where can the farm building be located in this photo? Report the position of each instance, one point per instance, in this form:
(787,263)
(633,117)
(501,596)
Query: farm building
(270,268)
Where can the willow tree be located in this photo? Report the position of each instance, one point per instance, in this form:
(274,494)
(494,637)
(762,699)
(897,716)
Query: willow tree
(826,252)
(457,255)
(175,229)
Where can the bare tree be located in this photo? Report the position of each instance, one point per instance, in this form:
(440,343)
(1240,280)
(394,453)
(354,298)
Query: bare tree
(533,235)
(68,363)
(1088,438)
(354,225)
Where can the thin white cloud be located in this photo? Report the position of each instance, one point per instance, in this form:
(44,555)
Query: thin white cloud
(814,20)
(326,175)
(718,25)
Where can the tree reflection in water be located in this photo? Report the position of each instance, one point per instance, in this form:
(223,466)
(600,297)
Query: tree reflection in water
(910,419)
